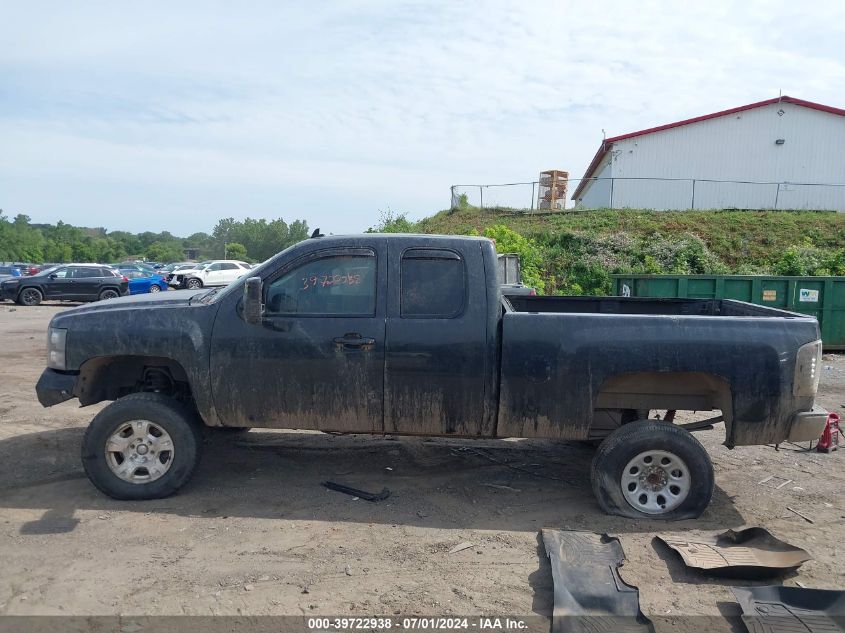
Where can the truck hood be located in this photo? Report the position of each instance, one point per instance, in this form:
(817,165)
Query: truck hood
(169,299)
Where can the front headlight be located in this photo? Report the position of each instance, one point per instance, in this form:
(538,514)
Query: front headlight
(807,369)
(56,346)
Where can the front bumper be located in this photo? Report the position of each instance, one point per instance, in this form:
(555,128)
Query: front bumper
(808,425)
(54,387)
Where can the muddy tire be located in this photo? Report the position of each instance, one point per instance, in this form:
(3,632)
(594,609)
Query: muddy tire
(30,297)
(652,470)
(142,446)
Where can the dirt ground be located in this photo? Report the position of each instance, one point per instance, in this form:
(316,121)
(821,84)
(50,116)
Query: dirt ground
(255,533)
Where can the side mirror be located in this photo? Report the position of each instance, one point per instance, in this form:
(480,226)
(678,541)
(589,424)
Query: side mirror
(253,310)
(53,276)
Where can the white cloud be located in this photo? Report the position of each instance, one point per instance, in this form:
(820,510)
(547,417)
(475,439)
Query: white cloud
(333,110)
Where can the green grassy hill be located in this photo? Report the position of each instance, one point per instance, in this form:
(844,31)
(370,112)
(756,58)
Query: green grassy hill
(575,252)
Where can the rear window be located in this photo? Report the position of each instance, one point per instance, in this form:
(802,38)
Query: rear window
(433,284)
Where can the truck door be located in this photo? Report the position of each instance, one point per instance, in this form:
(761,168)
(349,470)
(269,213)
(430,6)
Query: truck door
(437,354)
(317,360)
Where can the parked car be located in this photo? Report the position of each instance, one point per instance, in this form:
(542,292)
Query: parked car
(26,268)
(7,272)
(70,282)
(126,266)
(140,282)
(183,268)
(169,268)
(410,335)
(219,272)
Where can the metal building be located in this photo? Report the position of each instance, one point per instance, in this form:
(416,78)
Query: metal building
(782,153)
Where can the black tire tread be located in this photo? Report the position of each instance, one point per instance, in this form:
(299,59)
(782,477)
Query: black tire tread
(152,400)
(19,299)
(658,433)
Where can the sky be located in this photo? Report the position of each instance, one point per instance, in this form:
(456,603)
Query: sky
(171,115)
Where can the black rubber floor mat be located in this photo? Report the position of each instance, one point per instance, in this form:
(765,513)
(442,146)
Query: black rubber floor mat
(749,553)
(589,594)
(791,609)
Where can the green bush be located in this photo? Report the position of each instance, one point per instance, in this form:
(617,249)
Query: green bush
(530,258)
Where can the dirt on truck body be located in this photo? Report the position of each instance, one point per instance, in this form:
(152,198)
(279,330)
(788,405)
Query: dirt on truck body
(409,335)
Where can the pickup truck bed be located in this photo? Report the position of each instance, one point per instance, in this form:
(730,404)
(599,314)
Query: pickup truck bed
(608,353)
(644,305)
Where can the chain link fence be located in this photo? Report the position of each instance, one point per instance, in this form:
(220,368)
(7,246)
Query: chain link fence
(662,194)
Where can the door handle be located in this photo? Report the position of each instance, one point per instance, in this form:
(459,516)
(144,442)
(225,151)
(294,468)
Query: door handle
(353,340)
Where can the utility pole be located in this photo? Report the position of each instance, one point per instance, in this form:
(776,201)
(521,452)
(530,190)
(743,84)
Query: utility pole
(225,249)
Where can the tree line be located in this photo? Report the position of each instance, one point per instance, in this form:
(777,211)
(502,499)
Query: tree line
(21,240)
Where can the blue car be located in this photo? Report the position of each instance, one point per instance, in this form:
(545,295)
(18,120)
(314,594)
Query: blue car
(7,272)
(141,282)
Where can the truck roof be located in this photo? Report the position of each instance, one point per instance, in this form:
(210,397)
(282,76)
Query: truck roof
(400,236)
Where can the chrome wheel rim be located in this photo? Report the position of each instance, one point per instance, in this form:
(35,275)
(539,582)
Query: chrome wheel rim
(139,451)
(656,482)
(155,288)
(193,284)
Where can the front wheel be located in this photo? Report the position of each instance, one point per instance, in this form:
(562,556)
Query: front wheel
(30,297)
(142,446)
(652,469)
(194,284)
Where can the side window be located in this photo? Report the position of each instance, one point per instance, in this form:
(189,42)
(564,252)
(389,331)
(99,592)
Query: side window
(228,266)
(61,273)
(433,284)
(340,285)
(214,267)
(86,273)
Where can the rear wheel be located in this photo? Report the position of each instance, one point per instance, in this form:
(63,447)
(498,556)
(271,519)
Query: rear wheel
(142,446)
(155,288)
(30,297)
(108,293)
(652,469)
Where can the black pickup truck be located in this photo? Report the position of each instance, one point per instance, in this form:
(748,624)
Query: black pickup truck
(410,335)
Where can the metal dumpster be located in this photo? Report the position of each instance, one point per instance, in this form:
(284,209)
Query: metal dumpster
(821,297)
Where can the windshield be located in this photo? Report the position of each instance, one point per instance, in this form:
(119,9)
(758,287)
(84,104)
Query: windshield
(46,271)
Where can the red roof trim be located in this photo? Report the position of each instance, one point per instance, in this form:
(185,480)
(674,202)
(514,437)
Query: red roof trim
(605,146)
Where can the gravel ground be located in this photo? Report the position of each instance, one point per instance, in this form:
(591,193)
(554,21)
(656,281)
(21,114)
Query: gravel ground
(255,533)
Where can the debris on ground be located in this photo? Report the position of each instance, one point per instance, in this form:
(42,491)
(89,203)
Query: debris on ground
(790,609)
(587,584)
(803,516)
(358,494)
(750,553)
(460,547)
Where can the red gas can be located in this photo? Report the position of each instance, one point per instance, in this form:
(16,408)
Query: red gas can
(829,441)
